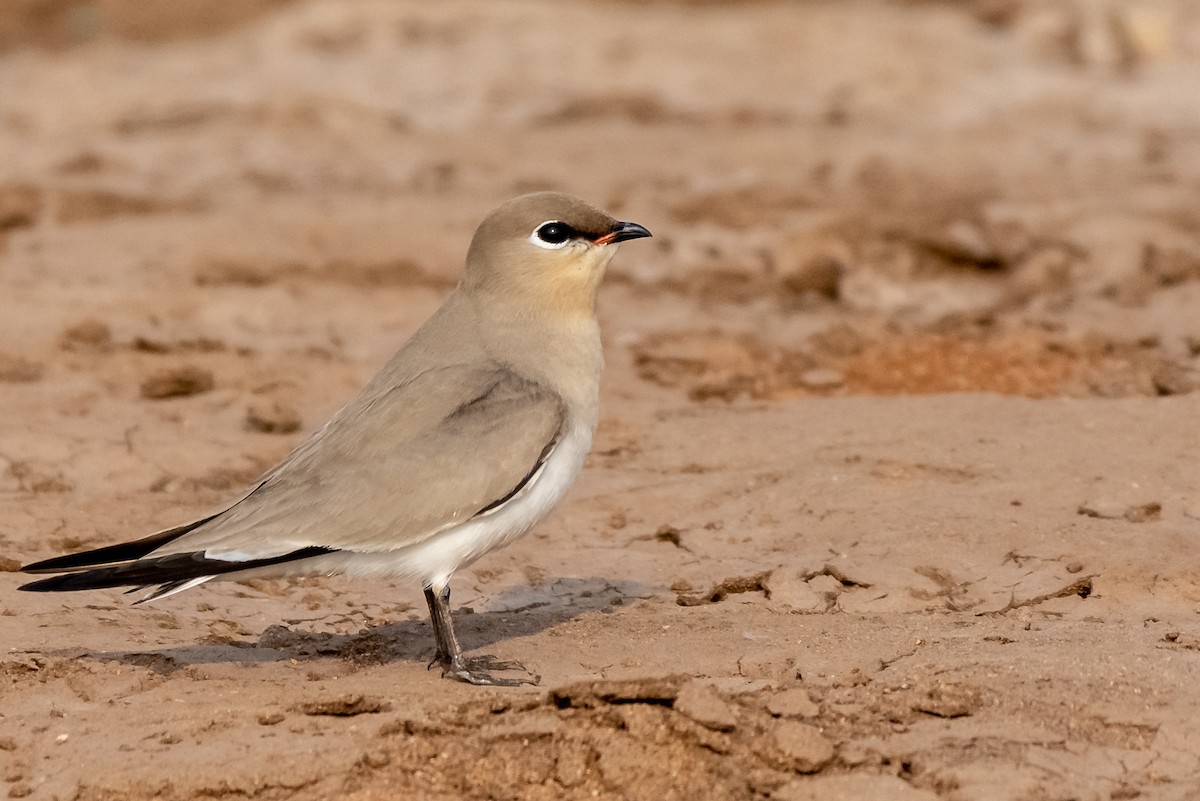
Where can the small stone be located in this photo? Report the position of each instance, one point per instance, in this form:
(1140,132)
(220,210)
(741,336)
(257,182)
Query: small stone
(178,382)
(8,565)
(19,790)
(703,704)
(270,717)
(8,744)
(793,703)
(273,418)
(1074,567)
(800,747)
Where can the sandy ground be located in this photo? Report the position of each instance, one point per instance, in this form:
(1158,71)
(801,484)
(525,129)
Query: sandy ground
(895,491)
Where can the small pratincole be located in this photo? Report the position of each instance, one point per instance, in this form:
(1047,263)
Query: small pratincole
(466,438)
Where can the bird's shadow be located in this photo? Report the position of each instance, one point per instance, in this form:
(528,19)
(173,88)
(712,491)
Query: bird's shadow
(516,611)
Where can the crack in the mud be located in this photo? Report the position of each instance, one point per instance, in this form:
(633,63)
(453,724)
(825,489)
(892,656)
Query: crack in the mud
(1081,587)
(835,574)
(730,586)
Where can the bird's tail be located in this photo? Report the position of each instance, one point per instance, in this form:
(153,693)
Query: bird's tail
(131,564)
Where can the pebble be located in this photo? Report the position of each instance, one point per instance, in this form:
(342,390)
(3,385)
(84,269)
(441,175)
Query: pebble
(703,704)
(802,747)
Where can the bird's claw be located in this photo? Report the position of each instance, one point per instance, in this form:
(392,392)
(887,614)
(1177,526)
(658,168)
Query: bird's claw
(475,670)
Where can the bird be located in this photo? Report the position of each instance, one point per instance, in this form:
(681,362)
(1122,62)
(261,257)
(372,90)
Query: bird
(466,437)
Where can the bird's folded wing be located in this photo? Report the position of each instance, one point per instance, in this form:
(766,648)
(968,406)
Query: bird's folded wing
(394,467)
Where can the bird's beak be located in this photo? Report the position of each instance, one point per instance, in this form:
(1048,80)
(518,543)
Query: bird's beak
(621,232)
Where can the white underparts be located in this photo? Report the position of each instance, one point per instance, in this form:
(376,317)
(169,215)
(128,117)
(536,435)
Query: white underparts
(433,560)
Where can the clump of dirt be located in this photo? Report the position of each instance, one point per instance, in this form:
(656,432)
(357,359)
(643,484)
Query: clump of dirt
(599,738)
(724,589)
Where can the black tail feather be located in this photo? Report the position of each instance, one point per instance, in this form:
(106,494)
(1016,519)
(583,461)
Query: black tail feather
(121,552)
(173,569)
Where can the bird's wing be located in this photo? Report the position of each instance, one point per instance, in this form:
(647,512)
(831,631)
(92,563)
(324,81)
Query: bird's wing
(393,468)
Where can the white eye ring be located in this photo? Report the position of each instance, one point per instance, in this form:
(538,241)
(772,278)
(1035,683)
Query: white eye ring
(553,225)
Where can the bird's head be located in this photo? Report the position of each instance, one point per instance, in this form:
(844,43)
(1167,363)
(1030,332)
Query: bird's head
(547,249)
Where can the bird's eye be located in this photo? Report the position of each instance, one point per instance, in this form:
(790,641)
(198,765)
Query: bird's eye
(552,234)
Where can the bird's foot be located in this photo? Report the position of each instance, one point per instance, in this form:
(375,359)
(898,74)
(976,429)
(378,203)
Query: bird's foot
(476,670)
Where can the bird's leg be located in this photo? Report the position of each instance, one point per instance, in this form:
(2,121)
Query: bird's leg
(443,633)
(473,670)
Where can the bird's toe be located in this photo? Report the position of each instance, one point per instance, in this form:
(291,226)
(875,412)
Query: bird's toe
(477,670)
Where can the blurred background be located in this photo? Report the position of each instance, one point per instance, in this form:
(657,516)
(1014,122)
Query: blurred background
(847,196)
(219,217)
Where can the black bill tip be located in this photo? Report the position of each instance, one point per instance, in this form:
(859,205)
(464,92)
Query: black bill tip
(623,231)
